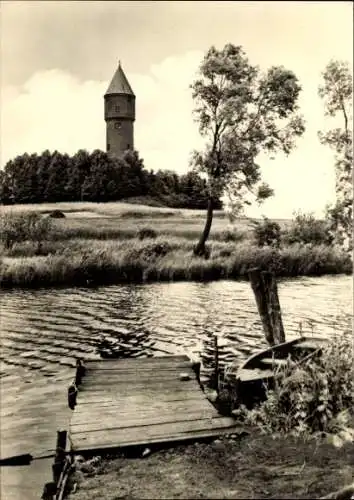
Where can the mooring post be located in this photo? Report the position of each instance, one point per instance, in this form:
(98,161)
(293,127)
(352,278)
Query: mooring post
(61,443)
(72,393)
(216,363)
(274,310)
(59,455)
(261,295)
(265,289)
(80,372)
(196,368)
(49,491)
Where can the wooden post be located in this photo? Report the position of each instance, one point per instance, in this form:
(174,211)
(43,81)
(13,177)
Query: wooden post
(59,455)
(49,491)
(196,369)
(72,393)
(63,478)
(56,470)
(61,443)
(264,286)
(274,307)
(216,362)
(261,296)
(80,372)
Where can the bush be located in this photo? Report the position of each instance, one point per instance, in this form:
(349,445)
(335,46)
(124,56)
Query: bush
(57,214)
(150,252)
(306,229)
(267,232)
(25,226)
(146,232)
(231,235)
(311,397)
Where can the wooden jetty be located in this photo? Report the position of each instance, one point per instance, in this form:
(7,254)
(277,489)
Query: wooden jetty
(28,429)
(144,401)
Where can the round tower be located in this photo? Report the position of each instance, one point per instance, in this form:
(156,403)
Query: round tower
(119,114)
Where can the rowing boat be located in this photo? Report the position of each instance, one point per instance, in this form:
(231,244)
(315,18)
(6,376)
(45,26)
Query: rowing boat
(260,370)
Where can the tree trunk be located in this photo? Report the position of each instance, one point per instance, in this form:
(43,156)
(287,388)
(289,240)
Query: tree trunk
(200,249)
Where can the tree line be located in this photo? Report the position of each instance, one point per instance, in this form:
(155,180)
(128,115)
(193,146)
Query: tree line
(53,177)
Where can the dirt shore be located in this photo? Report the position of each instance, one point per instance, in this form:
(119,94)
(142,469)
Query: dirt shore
(252,466)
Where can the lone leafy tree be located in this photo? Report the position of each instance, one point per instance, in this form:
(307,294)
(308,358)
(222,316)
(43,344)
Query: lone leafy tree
(241,113)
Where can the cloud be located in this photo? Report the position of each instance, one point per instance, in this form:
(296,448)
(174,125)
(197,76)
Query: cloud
(52,110)
(56,110)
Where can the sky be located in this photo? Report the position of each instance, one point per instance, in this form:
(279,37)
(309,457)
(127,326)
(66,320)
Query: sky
(58,57)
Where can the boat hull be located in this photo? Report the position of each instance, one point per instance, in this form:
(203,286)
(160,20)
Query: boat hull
(258,373)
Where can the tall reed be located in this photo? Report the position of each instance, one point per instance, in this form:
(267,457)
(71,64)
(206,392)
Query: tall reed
(160,259)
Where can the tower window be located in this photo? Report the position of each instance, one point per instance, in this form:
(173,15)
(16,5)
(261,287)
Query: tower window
(118,125)
(117,109)
(128,146)
(108,147)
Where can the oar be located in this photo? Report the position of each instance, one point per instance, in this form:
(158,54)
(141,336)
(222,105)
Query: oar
(24,459)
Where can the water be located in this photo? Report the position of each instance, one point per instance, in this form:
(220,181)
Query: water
(43,331)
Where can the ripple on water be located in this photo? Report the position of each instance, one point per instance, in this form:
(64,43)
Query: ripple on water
(43,331)
(55,326)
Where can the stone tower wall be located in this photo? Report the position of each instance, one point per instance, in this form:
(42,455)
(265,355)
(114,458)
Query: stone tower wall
(119,116)
(119,136)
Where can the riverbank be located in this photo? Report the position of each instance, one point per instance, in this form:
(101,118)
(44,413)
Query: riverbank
(99,244)
(253,466)
(97,262)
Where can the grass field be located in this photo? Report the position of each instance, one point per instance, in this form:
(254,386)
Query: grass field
(110,209)
(120,210)
(116,220)
(127,226)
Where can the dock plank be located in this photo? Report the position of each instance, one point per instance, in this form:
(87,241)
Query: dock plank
(100,400)
(126,411)
(149,376)
(144,434)
(116,372)
(134,414)
(154,384)
(182,436)
(113,423)
(128,402)
(124,391)
(121,364)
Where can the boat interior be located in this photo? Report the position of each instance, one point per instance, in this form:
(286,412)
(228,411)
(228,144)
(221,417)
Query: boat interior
(278,355)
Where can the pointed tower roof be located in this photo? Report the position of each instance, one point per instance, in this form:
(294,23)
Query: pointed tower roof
(119,83)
